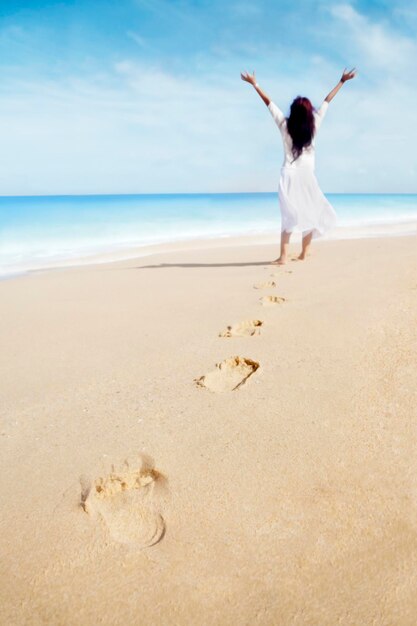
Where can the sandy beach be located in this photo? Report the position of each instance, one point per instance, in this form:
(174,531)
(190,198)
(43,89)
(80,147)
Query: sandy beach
(141,484)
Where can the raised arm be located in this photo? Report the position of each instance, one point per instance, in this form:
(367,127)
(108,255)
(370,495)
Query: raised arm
(345,76)
(252,80)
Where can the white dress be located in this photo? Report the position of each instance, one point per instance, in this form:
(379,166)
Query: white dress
(303,205)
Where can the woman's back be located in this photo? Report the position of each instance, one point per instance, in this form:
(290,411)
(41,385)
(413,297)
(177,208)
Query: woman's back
(307,156)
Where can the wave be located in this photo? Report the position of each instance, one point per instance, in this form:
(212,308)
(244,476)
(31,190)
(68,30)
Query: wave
(39,233)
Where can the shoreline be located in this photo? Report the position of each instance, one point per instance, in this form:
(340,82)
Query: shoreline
(373,230)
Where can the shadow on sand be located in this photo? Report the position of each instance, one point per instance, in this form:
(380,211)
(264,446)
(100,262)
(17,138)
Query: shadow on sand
(164,265)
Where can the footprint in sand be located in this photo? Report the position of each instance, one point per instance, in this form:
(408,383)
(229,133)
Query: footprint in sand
(267,285)
(229,375)
(243,329)
(271,300)
(126,500)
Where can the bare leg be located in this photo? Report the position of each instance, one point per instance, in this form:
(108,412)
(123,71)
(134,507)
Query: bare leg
(306,245)
(285,240)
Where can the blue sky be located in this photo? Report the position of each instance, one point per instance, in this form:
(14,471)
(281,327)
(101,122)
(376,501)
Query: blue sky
(142,96)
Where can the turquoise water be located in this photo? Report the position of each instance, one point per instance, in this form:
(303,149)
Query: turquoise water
(46,231)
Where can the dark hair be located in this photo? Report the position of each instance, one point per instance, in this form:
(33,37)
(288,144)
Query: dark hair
(300,125)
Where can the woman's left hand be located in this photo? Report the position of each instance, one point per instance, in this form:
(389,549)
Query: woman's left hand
(248,78)
(348,75)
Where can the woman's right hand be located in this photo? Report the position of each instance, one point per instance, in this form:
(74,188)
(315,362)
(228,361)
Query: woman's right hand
(248,78)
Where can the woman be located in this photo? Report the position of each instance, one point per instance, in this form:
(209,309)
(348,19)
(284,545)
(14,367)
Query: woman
(303,204)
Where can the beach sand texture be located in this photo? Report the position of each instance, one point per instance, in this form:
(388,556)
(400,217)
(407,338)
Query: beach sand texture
(132,495)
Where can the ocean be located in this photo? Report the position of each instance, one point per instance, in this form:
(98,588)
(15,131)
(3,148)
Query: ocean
(49,231)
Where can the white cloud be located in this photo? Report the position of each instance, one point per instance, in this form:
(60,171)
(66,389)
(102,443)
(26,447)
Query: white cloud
(141,41)
(151,132)
(139,127)
(378,45)
(367,143)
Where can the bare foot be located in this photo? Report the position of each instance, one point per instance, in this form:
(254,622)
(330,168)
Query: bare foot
(303,255)
(280,261)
